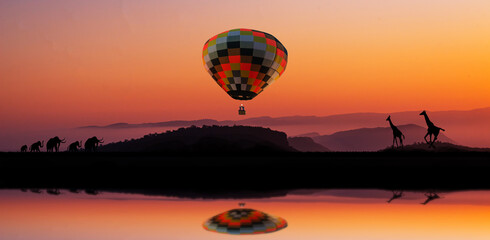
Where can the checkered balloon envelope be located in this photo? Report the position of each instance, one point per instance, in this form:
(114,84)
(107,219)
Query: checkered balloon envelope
(244,61)
(244,221)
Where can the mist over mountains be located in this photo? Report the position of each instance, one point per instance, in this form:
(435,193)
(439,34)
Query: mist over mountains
(469,128)
(373,139)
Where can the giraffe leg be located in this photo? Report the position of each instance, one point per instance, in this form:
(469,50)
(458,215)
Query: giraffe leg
(425,137)
(435,138)
(430,140)
(393,146)
(401,141)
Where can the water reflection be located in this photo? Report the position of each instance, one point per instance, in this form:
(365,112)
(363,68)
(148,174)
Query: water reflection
(310,214)
(396,195)
(431,196)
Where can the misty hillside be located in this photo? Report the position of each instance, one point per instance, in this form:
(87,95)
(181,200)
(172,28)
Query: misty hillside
(310,135)
(373,139)
(206,139)
(306,144)
(470,128)
(179,123)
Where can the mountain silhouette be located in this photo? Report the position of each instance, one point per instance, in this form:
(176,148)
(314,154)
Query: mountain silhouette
(179,123)
(372,139)
(466,127)
(206,139)
(310,135)
(306,144)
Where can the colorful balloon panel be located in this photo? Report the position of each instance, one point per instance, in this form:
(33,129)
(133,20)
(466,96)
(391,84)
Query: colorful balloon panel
(244,221)
(244,62)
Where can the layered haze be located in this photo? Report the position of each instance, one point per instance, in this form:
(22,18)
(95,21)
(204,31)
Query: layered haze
(65,64)
(70,63)
(469,128)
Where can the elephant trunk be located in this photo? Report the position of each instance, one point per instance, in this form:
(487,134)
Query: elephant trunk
(101,140)
(63,140)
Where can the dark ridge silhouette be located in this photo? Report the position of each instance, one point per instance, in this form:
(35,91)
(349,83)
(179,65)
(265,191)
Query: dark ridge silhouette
(206,139)
(23,148)
(463,124)
(442,147)
(53,144)
(36,147)
(306,144)
(91,191)
(246,171)
(74,146)
(397,134)
(35,190)
(371,139)
(92,144)
(53,191)
(178,123)
(432,130)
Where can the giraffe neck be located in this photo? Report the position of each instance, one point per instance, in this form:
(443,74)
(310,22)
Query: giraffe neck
(391,124)
(427,120)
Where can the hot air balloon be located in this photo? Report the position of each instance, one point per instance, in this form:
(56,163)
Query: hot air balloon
(244,62)
(244,221)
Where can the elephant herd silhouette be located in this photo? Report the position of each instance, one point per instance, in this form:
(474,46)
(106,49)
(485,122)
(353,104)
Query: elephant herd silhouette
(53,145)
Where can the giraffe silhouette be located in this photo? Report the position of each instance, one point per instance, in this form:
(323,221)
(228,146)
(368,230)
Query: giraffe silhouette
(431,130)
(396,133)
(396,194)
(431,196)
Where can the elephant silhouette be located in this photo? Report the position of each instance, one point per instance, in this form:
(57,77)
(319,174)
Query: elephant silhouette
(92,144)
(74,146)
(23,148)
(35,147)
(54,144)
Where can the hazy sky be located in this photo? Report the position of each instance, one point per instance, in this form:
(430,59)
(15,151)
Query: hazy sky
(70,63)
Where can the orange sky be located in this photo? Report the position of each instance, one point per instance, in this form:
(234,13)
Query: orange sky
(72,63)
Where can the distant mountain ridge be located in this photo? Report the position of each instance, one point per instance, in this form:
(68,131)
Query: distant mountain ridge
(471,128)
(177,123)
(313,120)
(373,139)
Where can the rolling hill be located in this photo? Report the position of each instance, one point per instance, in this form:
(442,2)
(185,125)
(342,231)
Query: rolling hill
(373,139)
(469,128)
(220,139)
(306,144)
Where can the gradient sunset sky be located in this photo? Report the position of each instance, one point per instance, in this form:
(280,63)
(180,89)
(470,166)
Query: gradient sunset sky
(70,63)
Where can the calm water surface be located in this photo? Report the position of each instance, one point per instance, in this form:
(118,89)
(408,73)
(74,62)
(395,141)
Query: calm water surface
(324,214)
